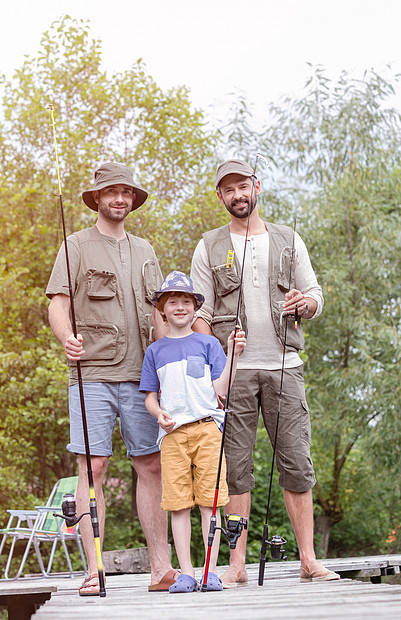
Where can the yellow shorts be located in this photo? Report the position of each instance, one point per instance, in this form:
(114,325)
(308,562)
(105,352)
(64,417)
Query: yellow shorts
(189,460)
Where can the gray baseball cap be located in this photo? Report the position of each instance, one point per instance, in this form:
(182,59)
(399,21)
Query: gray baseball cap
(113,174)
(233,166)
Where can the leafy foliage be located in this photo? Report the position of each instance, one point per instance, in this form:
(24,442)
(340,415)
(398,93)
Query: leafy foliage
(334,157)
(125,117)
(338,151)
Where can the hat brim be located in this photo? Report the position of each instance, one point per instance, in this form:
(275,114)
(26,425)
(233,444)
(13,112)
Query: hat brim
(199,298)
(140,197)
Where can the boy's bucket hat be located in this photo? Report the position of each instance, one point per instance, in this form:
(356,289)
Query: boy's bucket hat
(176,281)
(233,166)
(112,174)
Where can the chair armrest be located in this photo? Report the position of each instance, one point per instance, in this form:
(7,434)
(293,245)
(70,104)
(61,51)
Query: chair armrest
(48,508)
(23,513)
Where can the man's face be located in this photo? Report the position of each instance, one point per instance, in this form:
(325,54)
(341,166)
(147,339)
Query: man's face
(236,192)
(114,202)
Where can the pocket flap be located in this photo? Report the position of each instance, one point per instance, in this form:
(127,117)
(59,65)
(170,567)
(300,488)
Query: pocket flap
(101,284)
(99,340)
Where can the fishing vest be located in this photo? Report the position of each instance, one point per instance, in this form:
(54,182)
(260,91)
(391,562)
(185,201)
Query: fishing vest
(99,297)
(226,281)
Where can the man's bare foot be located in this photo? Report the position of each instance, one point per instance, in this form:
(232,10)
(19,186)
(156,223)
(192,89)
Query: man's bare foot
(234,576)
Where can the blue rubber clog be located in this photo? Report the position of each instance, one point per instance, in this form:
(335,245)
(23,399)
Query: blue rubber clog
(214,583)
(184,583)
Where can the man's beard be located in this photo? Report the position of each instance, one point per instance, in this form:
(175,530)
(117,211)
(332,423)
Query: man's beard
(244,214)
(113,216)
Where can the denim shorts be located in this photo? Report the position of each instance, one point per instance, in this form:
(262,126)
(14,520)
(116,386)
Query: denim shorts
(104,403)
(255,391)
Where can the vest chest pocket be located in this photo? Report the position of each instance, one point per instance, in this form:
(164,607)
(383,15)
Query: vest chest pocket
(150,280)
(195,366)
(222,326)
(284,269)
(101,284)
(225,279)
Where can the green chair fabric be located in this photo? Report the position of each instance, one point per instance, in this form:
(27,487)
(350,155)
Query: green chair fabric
(40,525)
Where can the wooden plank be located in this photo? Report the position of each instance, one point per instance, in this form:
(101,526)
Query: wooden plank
(23,600)
(282,597)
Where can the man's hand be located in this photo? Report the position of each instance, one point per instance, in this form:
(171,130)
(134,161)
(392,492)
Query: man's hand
(73,347)
(295,300)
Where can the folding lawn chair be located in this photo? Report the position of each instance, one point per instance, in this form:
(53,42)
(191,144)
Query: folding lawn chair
(42,526)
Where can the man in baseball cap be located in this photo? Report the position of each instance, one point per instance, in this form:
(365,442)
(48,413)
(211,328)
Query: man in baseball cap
(274,286)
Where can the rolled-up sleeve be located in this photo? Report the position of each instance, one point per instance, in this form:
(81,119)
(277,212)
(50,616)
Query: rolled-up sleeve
(305,277)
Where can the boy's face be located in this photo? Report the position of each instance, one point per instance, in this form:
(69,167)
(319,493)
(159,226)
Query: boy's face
(179,310)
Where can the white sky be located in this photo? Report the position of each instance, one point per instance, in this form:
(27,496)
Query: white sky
(258,48)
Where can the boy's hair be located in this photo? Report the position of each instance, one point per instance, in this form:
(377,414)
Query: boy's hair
(163,298)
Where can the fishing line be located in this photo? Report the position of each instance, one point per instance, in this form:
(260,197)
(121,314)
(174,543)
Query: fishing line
(234,523)
(276,543)
(68,506)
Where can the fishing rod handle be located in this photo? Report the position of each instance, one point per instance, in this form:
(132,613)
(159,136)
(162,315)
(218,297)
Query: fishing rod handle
(262,562)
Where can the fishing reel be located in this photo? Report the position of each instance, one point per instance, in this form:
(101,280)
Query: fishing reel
(276,549)
(234,526)
(69,509)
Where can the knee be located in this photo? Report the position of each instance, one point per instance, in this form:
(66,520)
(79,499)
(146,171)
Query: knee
(147,465)
(98,466)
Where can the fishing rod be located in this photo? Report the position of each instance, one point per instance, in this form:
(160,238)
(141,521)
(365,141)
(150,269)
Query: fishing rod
(68,505)
(276,543)
(234,523)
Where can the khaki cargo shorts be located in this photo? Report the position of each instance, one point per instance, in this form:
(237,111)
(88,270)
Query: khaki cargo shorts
(189,460)
(258,390)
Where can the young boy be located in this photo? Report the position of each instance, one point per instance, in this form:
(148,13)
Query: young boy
(187,371)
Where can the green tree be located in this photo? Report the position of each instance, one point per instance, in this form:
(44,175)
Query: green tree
(123,117)
(337,151)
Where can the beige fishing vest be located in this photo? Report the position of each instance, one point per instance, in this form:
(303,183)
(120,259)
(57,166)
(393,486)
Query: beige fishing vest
(99,299)
(226,282)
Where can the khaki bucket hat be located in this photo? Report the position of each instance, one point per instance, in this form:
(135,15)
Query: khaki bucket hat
(113,174)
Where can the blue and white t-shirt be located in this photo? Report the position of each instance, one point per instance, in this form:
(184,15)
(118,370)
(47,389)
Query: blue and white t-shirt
(182,370)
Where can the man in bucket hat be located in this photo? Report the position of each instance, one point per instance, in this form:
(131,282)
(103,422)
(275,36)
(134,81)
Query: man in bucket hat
(113,274)
(275,284)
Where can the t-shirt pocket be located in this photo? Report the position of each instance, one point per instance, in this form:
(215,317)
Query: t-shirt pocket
(195,366)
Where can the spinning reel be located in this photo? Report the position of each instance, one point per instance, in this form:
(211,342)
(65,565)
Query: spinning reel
(69,509)
(276,548)
(234,526)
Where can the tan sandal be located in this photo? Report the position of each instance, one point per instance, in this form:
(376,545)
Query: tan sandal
(91,583)
(320,573)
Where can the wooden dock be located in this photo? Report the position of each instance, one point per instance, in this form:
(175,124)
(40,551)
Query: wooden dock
(282,596)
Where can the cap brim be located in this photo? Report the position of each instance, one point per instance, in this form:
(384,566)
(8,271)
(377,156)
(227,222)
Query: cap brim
(234,171)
